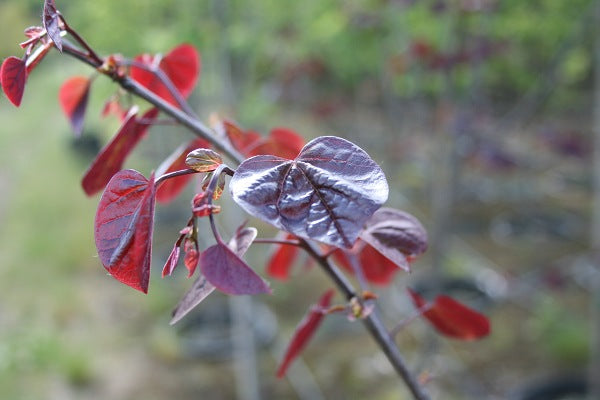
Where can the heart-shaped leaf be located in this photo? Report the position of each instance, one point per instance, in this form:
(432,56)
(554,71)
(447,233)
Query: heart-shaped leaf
(73,97)
(181,66)
(453,319)
(327,193)
(51,21)
(203,160)
(397,235)
(170,188)
(13,76)
(202,288)
(111,158)
(304,331)
(282,258)
(123,228)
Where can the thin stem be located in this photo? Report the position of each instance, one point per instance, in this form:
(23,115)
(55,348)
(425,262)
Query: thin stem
(193,124)
(402,324)
(165,80)
(373,321)
(170,175)
(81,41)
(278,241)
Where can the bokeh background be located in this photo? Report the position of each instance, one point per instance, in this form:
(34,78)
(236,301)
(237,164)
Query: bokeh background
(481,115)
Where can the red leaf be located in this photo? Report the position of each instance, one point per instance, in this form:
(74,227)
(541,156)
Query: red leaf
(229,273)
(376,268)
(242,140)
(73,98)
(282,259)
(304,331)
(113,155)
(13,76)
(281,142)
(181,66)
(171,188)
(51,21)
(453,319)
(172,260)
(190,260)
(123,228)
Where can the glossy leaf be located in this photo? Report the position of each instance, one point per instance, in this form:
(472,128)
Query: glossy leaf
(181,66)
(304,332)
(453,319)
(375,267)
(13,76)
(327,193)
(283,257)
(397,235)
(111,158)
(201,287)
(51,21)
(229,273)
(203,160)
(171,188)
(123,228)
(73,97)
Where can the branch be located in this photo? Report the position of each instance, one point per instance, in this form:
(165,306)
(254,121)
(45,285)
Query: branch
(373,321)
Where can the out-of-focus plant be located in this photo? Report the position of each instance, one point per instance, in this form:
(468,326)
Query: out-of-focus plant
(326,195)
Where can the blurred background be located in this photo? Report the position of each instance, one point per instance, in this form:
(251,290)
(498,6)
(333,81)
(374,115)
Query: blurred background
(480,112)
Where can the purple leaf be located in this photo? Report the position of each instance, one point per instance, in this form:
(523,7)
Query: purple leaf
(51,20)
(327,193)
(229,273)
(201,287)
(397,235)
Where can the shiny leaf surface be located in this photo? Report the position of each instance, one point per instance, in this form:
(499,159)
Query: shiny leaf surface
(123,228)
(327,193)
(203,160)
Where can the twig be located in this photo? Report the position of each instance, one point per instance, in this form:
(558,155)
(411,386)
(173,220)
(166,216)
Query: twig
(373,321)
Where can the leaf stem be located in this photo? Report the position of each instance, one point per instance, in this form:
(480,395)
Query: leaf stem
(278,241)
(91,53)
(174,174)
(373,321)
(165,80)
